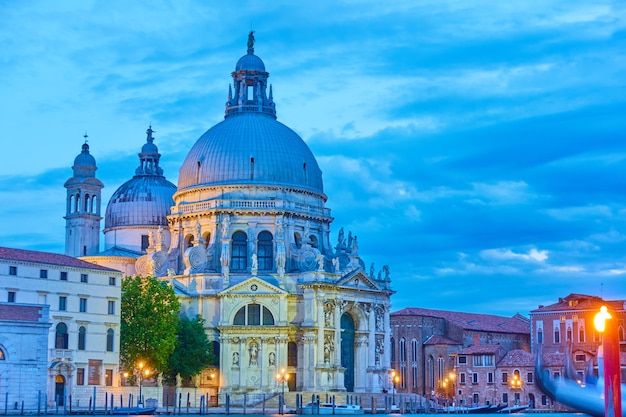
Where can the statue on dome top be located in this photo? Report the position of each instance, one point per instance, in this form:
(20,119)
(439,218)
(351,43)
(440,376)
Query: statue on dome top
(149,132)
(251,40)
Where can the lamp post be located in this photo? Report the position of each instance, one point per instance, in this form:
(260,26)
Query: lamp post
(282,377)
(516,384)
(452,378)
(609,350)
(395,378)
(140,372)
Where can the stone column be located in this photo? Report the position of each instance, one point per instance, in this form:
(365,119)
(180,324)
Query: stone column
(387,344)
(337,314)
(372,337)
(320,331)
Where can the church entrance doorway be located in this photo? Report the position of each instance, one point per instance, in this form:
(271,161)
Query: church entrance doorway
(347,350)
(59,390)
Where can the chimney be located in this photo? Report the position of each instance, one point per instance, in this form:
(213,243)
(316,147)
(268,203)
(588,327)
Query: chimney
(476,339)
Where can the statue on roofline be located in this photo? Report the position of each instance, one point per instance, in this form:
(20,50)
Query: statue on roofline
(251,40)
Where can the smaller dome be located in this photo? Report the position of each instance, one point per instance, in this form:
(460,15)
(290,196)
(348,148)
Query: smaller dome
(149,148)
(250,62)
(85,158)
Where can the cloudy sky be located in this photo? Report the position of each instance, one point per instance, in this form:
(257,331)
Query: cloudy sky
(477,147)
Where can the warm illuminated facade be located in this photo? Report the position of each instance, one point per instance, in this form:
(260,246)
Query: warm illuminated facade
(82,324)
(245,239)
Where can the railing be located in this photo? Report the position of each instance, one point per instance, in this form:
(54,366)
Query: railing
(61,354)
(249,204)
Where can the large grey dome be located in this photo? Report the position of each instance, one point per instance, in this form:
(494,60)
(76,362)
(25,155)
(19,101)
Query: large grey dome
(146,199)
(141,201)
(250,148)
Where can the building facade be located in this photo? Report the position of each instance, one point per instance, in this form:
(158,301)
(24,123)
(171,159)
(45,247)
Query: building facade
(451,357)
(79,305)
(24,332)
(565,330)
(245,240)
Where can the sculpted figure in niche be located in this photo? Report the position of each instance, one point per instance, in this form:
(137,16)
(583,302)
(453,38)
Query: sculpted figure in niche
(272,359)
(236,359)
(255,264)
(328,315)
(328,348)
(319,258)
(335,265)
(254,353)
(150,239)
(159,236)
(379,321)
(225,227)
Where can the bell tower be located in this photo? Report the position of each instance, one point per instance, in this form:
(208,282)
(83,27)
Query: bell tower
(82,214)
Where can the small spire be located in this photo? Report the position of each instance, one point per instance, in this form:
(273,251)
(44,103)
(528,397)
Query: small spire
(230,92)
(251,42)
(149,132)
(271,98)
(85,136)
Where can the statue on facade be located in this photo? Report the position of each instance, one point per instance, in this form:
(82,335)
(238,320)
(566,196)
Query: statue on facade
(379,321)
(336,265)
(150,239)
(372,270)
(319,258)
(236,359)
(328,315)
(386,271)
(254,353)
(340,238)
(225,226)
(255,264)
(272,359)
(198,231)
(355,246)
(328,348)
(159,236)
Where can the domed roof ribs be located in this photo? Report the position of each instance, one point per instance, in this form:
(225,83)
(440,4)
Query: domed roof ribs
(250,84)
(149,157)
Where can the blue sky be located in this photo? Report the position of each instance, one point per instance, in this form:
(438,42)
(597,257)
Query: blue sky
(477,147)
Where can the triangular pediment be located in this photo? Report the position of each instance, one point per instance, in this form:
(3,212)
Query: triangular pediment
(358,280)
(252,286)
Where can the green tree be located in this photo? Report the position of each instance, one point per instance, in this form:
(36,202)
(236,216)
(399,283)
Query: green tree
(149,320)
(193,351)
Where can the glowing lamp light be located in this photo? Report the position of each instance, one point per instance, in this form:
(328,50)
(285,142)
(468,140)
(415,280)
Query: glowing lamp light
(600,318)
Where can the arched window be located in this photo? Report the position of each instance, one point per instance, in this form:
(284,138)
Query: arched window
(239,257)
(313,241)
(110,340)
(86,207)
(206,238)
(188,241)
(540,336)
(430,369)
(402,350)
(94,204)
(61,336)
(253,315)
(82,338)
(77,203)
(297,239)
(2,356)
(265,248)
(392,346)
(70,208)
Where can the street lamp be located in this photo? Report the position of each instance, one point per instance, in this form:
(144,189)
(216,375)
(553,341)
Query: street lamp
(141,374)
(452,377)
(516,384)
(282,377)
(610,351)
(395,379)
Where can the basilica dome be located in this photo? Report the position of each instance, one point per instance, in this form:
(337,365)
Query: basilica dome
(250,146)
(144,200)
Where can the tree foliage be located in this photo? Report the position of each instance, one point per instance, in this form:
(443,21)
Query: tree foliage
(193,351)
(149,320)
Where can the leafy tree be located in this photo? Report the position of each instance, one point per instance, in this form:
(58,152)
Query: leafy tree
(149,319)
(193,351)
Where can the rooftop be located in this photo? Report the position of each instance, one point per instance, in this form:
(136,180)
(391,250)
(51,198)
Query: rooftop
(473,321)
(47,258)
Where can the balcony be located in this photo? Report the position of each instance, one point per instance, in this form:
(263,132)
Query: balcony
(61,354)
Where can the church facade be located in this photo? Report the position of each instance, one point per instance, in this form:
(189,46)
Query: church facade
(245,240)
